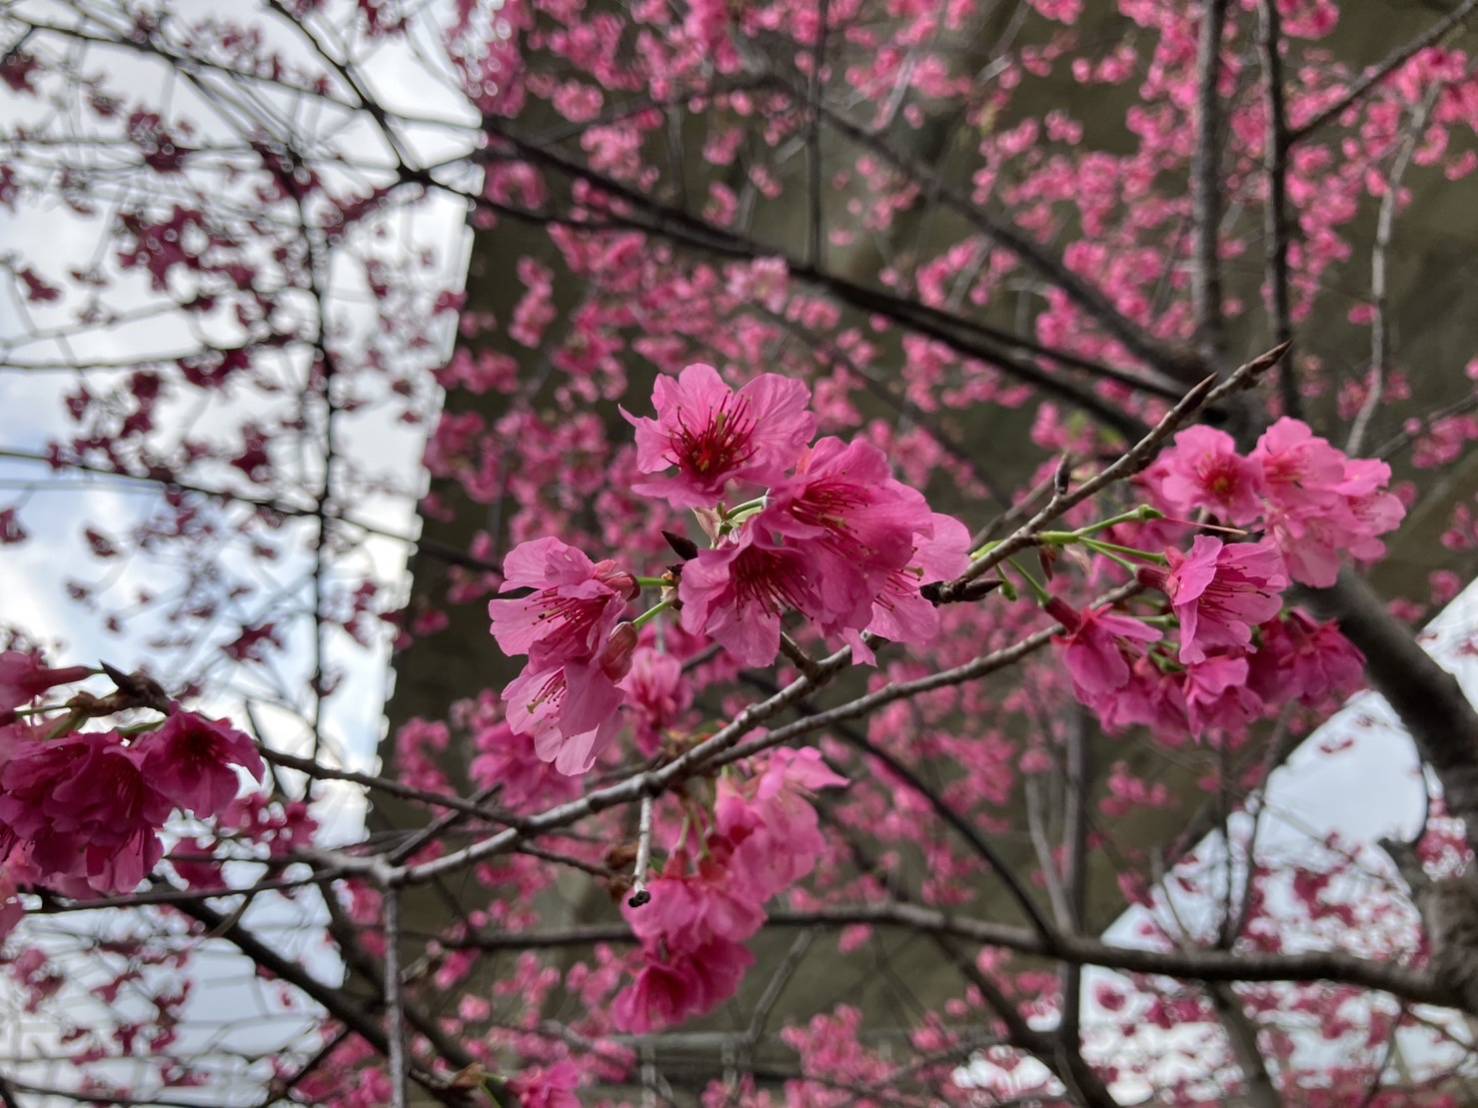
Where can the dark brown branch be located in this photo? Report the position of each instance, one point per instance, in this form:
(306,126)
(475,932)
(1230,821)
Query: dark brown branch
(1275,218)
(1206,189)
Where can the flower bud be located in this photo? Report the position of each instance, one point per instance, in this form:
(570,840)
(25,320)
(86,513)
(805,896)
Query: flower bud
(615,657)
(617,579)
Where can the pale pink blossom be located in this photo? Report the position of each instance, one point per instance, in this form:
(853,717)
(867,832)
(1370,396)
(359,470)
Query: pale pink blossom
(575,605)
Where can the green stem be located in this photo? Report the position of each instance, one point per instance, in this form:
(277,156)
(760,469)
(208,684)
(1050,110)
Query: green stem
(1101,547)
(653,582)
(1038,589)
(650,614)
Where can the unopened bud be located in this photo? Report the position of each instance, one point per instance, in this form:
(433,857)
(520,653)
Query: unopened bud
(617,580)
(615,658)
(1151,577)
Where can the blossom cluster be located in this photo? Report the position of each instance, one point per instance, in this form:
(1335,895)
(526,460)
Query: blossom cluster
(832,536)
(81,813)
(1238,651)
(764,837)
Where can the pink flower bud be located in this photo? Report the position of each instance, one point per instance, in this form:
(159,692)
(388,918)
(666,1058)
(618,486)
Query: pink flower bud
(615,658)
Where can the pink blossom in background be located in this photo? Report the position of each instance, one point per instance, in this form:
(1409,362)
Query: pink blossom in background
(657,694)
(714,436)
(547,1086)
(1219,592)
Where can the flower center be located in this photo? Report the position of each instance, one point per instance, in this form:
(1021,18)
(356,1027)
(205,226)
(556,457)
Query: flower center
(721,443)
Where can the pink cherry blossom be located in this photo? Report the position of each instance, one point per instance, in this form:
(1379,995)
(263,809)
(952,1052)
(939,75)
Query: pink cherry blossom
(86,810)
(658,695)
(24,677)
(570,614)
(1301,472)
(189,761)
(1219,592)
(686,911)
(671,988)
(547,1086)
(770,823)
(1151,698)
(1307,660)
(713,435)
(570,711)
(737,593)
(1217,697)
(1098,648)
(1203,470)
(858,525)
(508,760)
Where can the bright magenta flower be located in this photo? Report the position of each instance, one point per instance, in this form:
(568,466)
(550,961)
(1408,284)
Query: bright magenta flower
(737,592)
(1099,648)
(1217,697)
(1204,470)
(570,614)
(24,677)
(1220,592)
(90,816)
(900,611)
(189,761)
(713,435)
(1301,658)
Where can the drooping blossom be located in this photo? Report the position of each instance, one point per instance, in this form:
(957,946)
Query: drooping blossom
(900,611)
(1203,470)
(1300,658)
(570,711)
(713,435)
(657,693)
(87,811)
(1150,698)
(1099,647)
(574,606)
(189,761)
(856,524)
(508,760)
(770,823)
(737,593)
(1220,591)
(688,910)
(24,677)
(1217,696)
(672,987)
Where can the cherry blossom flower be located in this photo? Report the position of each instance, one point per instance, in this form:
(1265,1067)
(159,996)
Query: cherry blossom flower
(573,609)
(189,761)
(769,821)
(713,435)
(1219,592)
(1217,696)
(657,693)
(570,711)
(670,989)
(1098,648)
(900,611)
(547,1086)
(1203,469)
(24,677)
(86,810)
(1300,658)
(737,592)
(857,524)
(508,760)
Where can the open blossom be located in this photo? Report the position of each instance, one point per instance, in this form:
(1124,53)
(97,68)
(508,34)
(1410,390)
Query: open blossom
(1217,697)
(24,677)
(900,611)
(1307,660)
(571,711)
(570,614)
(547,1086)
(1322,506)
(189,761)
(1220,591)
(1150,698)
(1099,647)
(857,525)
(686,911)
(737,592)
(713,435)
(1203,469)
